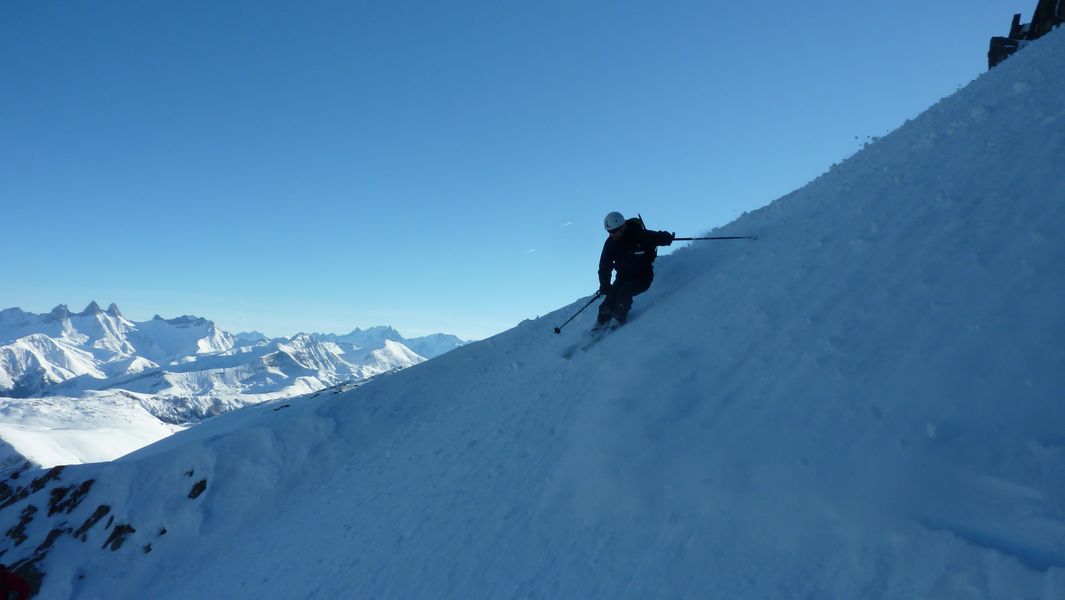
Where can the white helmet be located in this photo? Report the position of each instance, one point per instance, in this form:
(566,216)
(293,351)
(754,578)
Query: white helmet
(613,221)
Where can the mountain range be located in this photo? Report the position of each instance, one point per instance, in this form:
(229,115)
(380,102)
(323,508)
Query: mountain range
(94,385)
(64,353)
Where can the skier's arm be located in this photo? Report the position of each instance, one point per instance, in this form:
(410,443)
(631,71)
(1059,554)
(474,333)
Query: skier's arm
(664,238)
(606,268)
(657,238)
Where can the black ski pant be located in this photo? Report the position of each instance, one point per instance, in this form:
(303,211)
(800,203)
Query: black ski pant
(618,300)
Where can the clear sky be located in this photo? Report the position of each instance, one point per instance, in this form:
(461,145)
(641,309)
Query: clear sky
(435,166)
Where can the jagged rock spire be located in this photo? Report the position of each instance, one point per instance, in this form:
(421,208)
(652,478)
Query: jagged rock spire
(91,309)
(59,313)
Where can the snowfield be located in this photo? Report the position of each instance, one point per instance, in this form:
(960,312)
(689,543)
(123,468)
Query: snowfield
(866,402)
(62,431)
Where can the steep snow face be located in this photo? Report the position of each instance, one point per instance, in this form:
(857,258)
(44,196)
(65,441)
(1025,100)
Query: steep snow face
(31,363)
(102,333)
(167,340)
(866,402)
(389,357)
(398,355)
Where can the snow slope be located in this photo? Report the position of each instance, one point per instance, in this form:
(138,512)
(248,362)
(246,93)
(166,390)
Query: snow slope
(164,340)
(61,431)
(864,403)
(37,361)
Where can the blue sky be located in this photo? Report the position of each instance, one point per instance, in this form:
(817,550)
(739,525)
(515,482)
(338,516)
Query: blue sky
(317,166)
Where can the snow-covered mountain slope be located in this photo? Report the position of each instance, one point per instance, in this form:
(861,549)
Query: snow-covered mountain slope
(32,363)
(166,340)
(58,431)
(39,351)
(269,371)
(93,330)
(864,403)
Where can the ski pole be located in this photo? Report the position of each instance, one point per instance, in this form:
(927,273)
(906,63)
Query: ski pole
(594,298)
(720,237)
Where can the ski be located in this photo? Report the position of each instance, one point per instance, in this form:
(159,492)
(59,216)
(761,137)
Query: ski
(598,337)
(591,338)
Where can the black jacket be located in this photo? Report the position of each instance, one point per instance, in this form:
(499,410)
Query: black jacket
(632,254)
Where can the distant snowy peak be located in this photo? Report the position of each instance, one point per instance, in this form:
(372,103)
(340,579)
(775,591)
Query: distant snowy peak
(16,323)
(347,359)
(167,340)
(99,332)
(434,345)
(91,309)
(184,321)
(385,331)
(429,346)
(302,339)
(396,355)
(250,337)
(364,338)
(59,313)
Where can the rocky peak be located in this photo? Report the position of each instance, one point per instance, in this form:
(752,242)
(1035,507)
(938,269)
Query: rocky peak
(302,338)
(59,313)
(385,331)
(92,309)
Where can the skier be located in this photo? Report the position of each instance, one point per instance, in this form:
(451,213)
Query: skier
(631,250)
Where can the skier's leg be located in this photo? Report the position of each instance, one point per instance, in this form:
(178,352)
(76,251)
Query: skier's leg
(624,290)
(607,307)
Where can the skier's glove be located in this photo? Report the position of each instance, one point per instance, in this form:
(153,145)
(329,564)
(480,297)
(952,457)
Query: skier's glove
(605,290)
(668,238)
